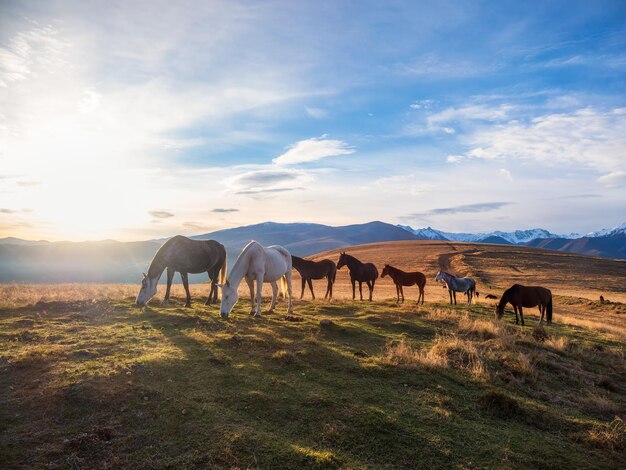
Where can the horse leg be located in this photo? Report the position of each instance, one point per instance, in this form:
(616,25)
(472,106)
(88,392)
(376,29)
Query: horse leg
(209,299)
(402,293)
(328,285)
(361,289)
(397,294)
(170,277)
(372,289)
(186,285)
(259,293)
(353,288)
(303,285)
(515,310)
(250,283)
(289,301)
(310,283)
(542,310)
(274,295)
(521,314)
(454,295)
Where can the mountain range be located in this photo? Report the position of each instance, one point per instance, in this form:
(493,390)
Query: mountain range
(111,261)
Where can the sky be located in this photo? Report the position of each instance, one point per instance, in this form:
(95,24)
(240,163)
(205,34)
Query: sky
(136,120)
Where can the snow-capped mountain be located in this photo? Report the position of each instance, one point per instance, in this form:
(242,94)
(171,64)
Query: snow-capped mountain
(620,229)
(516,237)
(427,233)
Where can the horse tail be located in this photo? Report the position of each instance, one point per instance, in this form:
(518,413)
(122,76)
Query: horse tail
(224,268)
(549,311)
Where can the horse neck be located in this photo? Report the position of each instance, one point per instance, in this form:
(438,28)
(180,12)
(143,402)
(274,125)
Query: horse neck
(297,262)
(352,262)
(239,270)
(157,266)
(503,300)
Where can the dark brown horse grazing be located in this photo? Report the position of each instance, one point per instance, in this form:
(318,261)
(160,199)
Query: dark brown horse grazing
(186,256)
(361,272)
(401,278)
(315,270)
(526,296)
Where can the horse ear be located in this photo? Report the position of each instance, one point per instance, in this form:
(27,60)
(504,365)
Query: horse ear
(145,275)
(227,283)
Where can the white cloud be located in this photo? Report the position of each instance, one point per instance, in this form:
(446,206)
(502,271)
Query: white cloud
(422,104)
(454,158)
(471,113)
(506,173)
(314,149)
(588,136)
(613,179)
(316,113)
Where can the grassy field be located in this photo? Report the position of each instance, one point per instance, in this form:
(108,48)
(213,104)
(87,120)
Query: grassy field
(90,381)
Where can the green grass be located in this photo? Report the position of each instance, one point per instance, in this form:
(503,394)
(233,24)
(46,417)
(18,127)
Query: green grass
(103,384)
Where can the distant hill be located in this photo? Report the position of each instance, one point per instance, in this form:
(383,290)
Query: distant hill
(111,261)
(608,246)
(609,243)
(305,239)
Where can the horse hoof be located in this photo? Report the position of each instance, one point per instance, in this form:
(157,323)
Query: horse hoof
(165,303)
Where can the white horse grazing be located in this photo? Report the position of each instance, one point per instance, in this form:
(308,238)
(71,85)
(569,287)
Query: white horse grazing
(260,264)
(458,284)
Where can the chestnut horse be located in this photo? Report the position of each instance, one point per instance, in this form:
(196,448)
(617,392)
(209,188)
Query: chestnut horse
(315,270)
(526,296)
(401,278)
(361,272)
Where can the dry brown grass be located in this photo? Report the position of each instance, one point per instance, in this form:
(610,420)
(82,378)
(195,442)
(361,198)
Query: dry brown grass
(607,436)
(446,351)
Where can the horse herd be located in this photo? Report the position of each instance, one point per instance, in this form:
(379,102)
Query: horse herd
(273,265)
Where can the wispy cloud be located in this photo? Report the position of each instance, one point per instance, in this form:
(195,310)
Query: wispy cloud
(161,214)
(466,208)
(220,210)
(313,149)
(316,113)
(265,178)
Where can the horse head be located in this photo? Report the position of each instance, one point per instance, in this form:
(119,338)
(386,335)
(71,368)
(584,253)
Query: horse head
(385,271)
(147,291)
(229,298)
(499,310)
(439,276)
(343,259)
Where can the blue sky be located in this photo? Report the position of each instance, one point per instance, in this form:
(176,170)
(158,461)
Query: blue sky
(132,120)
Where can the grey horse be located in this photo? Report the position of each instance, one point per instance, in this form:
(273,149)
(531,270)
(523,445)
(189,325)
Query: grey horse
(186,256)
(458,284)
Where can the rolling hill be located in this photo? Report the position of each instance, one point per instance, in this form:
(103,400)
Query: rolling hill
(111,261)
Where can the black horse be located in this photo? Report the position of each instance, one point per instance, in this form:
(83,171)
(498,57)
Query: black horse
(183,255)
(315,270)
(361,272)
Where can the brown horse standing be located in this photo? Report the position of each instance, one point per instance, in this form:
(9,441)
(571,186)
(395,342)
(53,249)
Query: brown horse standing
(526,296)
(401,278)
(361,272)
(315,270)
